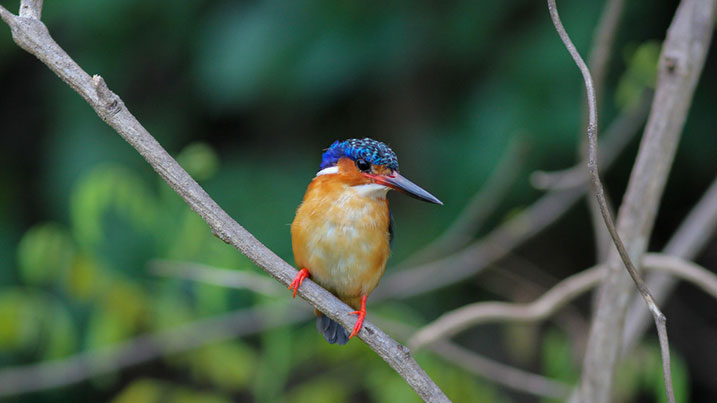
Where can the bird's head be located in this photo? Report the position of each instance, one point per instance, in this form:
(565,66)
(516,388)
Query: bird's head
(360,162)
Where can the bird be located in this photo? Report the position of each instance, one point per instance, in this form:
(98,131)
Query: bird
(342,233)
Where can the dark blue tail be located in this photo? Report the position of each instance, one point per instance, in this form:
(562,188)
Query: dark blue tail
(332,331)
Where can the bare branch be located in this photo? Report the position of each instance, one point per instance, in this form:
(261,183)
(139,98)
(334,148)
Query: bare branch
(598,60)
(502,374)
(680,65)
(239,279)
(32,35)
(616,137)
(31,8)
(691,237)
(470,315)
(556,298)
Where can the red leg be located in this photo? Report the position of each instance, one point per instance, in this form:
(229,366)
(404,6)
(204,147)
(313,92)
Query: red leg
(361,315)
(303,273)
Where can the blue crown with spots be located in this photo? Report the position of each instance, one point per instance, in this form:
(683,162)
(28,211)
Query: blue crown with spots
(372,151)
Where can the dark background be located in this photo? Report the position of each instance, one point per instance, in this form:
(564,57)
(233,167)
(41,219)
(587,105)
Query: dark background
(247,94)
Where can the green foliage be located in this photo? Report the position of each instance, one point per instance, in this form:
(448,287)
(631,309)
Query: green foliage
(199,160)
(557,359)
(34,323)
(642,372)
(153,391)
(44,253)
(641,73)
(229,366)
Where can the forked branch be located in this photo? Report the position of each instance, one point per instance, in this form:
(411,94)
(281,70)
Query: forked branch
(597,186)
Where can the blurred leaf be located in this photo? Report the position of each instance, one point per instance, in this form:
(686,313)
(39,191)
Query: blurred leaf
(35,323)
(121,311)
(641,73)
(45,252)
(319,390)
(199,160)
(62,337)
(84,278)
(229,366)
(387,387)
(153,391)
(274,364)
(110,189)
(557,359)
(20,319)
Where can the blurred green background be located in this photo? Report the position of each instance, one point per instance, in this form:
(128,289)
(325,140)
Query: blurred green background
(246,94)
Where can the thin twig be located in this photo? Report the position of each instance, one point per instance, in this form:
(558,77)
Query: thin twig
(598,60)
(592,129)
(556,298)
(615,139)
(32,35)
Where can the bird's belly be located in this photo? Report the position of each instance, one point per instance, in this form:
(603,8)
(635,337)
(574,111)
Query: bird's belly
(345,252)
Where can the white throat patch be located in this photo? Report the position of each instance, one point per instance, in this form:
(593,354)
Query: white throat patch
(373,190)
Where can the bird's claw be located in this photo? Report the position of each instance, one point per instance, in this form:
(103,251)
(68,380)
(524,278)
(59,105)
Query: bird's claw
(359,322)
(361,315)
(303,273)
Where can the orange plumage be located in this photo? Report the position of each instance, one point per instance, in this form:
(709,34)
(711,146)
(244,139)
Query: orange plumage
(340,235)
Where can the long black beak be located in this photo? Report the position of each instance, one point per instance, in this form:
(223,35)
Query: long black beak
(403,185)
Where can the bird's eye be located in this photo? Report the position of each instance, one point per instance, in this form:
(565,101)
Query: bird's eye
(363,165)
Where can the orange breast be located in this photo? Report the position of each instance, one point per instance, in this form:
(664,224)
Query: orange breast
(340,234)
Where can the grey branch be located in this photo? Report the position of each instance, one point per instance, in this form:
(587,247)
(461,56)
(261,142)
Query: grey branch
(556,298)
(639,208)
(693,234)
(615,139)
(32,35)
(598,59)
(680,65)
(502,374)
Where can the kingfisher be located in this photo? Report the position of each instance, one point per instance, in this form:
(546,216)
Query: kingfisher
(342,233)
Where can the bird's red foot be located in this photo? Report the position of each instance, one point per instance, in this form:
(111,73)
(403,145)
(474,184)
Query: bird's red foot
(303,273)
(361,315)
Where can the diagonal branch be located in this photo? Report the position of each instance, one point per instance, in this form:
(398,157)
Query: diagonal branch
(32,35)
